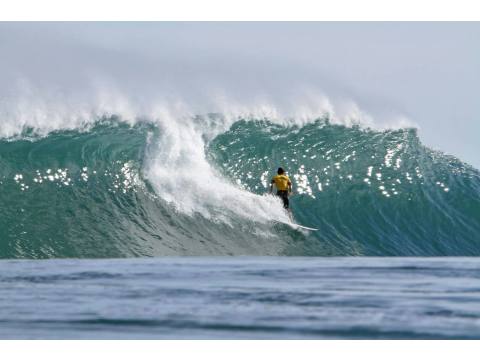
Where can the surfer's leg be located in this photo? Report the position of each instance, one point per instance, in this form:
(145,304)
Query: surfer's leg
(286,202)
(286,205)
(284,196)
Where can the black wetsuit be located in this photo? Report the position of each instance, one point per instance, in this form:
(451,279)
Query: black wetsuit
(284,196)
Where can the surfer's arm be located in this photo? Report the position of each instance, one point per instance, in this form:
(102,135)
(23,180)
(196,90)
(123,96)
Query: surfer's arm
(271,185)
(290,187)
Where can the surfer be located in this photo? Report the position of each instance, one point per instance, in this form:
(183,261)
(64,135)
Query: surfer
(284,190)
(283,185)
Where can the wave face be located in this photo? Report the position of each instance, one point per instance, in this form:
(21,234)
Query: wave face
(119,190)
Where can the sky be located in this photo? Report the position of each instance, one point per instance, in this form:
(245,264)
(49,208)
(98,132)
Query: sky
(427,72)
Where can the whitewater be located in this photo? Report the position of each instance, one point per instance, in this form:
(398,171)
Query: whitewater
(113,181)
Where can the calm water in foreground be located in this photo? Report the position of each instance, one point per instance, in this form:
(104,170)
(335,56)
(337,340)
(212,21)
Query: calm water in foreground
(241,298)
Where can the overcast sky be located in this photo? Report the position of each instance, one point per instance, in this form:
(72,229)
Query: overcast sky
(429,72)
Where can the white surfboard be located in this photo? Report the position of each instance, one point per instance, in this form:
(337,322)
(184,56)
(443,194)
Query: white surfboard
(297,226)
(302,227)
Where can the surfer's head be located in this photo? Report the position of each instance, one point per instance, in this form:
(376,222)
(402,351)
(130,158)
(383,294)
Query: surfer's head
(280,171)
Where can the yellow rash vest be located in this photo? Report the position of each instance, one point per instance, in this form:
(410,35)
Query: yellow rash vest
(281,182)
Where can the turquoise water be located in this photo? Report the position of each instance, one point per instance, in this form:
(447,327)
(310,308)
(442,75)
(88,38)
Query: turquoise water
(118,190)
(241,298)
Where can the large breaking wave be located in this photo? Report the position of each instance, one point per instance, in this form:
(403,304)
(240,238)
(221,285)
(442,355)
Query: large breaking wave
(117,189)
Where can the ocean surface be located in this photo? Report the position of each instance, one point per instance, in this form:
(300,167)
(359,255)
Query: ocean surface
(241,298)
